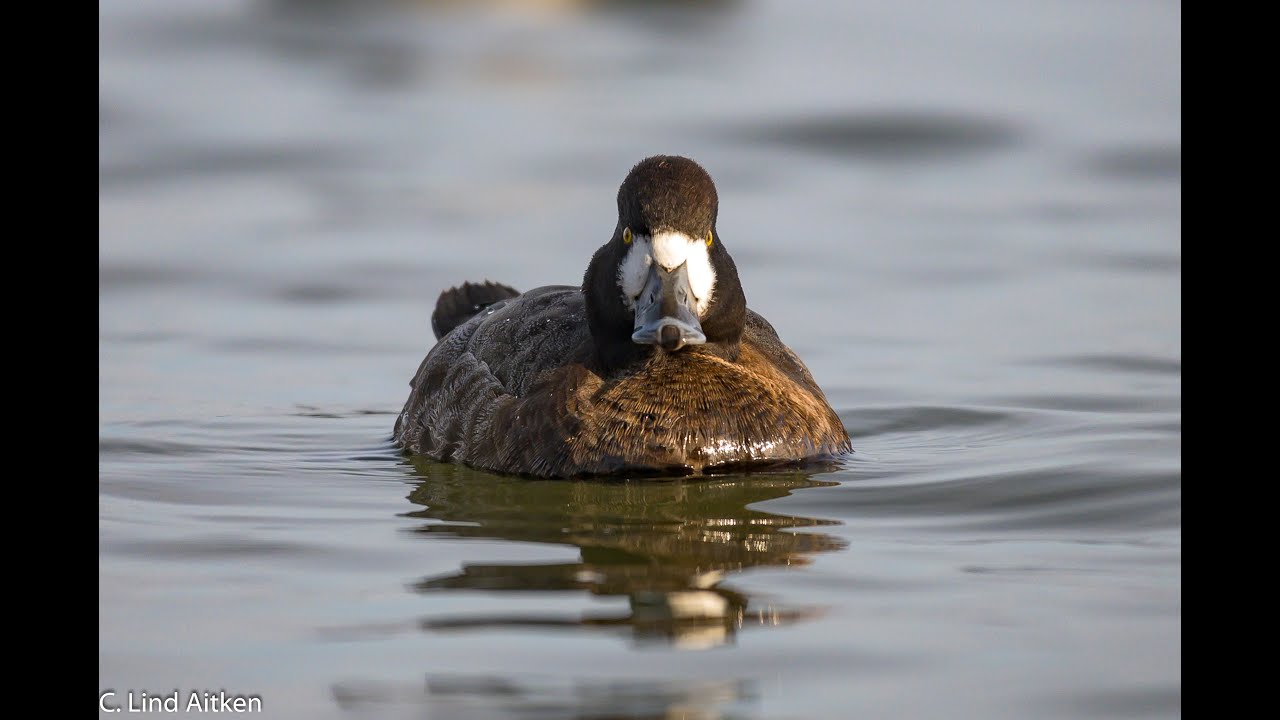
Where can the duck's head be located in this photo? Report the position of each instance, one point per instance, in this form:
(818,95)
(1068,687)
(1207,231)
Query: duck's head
(664,280)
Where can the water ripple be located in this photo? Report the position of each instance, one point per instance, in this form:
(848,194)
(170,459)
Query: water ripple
(1143,163)
(1135,364)
(888,136)
(172,163)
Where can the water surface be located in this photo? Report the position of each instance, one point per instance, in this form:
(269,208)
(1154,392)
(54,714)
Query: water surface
(965,217)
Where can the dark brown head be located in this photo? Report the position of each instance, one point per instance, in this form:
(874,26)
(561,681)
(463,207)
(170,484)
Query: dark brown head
(664,282)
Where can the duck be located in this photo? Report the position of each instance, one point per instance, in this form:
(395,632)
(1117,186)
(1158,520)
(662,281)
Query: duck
(653,366)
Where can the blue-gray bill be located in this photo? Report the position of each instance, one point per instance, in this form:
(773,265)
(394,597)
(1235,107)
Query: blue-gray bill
(667,311)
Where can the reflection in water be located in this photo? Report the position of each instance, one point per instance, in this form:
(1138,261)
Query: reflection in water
(667,546)
(535,698)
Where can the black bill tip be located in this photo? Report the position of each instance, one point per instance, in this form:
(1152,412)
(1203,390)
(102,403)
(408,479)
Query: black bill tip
(670,338)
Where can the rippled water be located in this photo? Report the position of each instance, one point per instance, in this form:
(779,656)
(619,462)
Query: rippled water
(964,216)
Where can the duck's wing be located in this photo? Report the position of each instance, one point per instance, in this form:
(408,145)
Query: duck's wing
(761,335)
(473,400)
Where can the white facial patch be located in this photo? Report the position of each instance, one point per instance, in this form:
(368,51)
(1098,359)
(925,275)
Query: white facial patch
(633,272)
(670,250)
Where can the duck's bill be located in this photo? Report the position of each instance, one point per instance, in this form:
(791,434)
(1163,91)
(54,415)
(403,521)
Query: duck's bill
(666,311)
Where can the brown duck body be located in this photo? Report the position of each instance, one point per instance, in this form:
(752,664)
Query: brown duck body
(520,389)
(654,365)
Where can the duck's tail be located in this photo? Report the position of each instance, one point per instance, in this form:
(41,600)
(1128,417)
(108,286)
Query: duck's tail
(459,304)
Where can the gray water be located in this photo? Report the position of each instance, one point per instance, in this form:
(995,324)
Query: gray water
(964,216)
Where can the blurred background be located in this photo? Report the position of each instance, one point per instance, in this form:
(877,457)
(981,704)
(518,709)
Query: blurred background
(965,216)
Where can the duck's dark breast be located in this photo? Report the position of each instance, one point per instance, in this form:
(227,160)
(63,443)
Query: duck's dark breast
(516,392)
(696,411)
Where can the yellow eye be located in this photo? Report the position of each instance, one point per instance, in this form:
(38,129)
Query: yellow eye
(709,238)
(626,236)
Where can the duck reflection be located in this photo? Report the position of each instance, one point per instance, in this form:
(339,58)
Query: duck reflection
(546,697)
(668,547)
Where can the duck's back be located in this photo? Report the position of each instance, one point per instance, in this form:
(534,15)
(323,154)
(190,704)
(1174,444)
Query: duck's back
(516,389)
